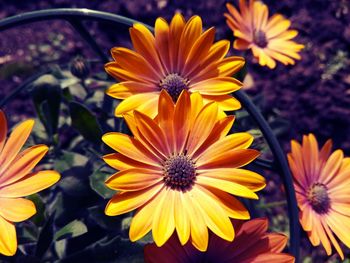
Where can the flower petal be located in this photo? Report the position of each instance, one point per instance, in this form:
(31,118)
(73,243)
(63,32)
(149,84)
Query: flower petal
(16,209)
(124,202)
(23,164)
(30,184)
(136,101)
(14,143)
(134,179)
(8,238)
(163,224)
(217,86)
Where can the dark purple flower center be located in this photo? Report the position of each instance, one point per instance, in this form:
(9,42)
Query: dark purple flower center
(179,172)
(259,38)
(318,198)
(174,84)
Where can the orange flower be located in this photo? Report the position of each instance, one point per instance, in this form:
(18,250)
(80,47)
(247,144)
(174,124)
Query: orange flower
(321,182)
(269,39)
(17,180)
(252,244)
(178,57)
(179,171)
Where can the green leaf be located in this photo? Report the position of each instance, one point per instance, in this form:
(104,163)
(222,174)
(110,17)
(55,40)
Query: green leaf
(68,160)
(97,183)
(73,229)
(46,94)
(85,122)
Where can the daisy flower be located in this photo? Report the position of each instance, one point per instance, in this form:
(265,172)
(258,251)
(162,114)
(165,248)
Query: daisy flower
(321,182)
(177,57)
(17,180)
(252,244)
(269,38)
(179,170)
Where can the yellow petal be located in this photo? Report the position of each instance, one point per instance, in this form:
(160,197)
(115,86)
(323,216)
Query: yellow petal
(14,143)
(217,86)
(23,164)
(16,209)
(249,179)
(8,238)
(229,66)
(134,102)
(30,184)
(163,224)
(130,147)
(141,223)
(127,89)
(133,179)
(161,30)
(182,221)
(124,202)
(215,217)
(121,162)
(199,230)
(227,186)
(241,140)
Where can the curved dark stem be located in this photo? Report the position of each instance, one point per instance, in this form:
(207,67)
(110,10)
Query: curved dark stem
(282,168)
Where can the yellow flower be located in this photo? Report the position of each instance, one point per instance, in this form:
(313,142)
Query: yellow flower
(268,38)
(178,57)
(17,180)
(179,170)
(321,182)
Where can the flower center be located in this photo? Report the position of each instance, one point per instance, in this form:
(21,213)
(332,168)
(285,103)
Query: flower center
(318,198)
(174,84)
(179,172)
(259,38)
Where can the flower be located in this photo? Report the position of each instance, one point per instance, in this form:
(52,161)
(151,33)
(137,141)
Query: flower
(252,244)
(179,170)
(17,181)
(269,39)
(321,182)
(178,57)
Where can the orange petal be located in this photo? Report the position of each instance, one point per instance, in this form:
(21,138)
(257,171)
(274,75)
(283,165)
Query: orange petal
(23,164)
(144,43)
(3,130)
(182,118)
(230,159)
(121,162)
(152,133)
(182,221)
(202,127)
(176,28)
(14,143)
(131,61)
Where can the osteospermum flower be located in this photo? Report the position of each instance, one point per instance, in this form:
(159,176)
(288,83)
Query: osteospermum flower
(17,181)
(252,244)
(179,170)
(178,57)
(321,182)
(268,38)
